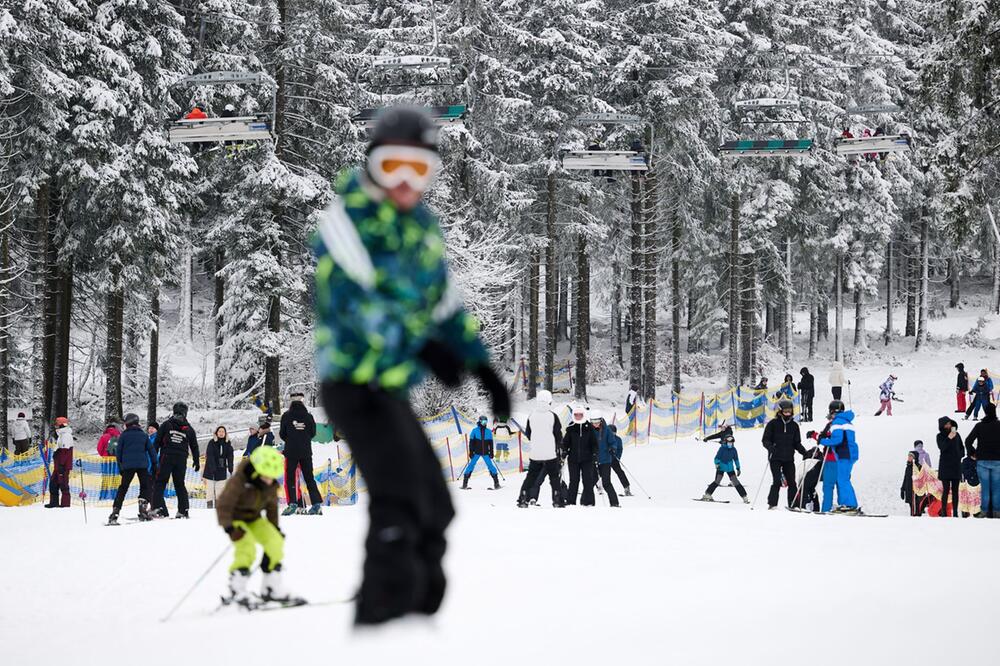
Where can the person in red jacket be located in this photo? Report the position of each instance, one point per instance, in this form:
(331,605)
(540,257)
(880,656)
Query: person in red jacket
(111,432)
(195,114)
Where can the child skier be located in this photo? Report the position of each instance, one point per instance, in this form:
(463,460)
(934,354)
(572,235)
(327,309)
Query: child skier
(886,395)
(480,446)
(727,461)
(62,465)
(251,490)
(503,445)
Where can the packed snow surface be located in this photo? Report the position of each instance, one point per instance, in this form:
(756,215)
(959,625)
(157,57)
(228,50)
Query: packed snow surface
(661,580)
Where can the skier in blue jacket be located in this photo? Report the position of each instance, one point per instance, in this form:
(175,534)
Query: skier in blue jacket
(841,454)
(480,446)
(727,461)
(135,454)
(609,449)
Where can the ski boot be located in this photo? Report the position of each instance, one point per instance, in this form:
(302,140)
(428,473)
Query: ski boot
(144,510)
(315,510)
(291,509)
(465,482)
(496,482)
(113,519)
(210,504)
(628,491)
(746,500)
(273,589)
(182,515)
(238,589)
(521,504)
(772,508)
(707,498)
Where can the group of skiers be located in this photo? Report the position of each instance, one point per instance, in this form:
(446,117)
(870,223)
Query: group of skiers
(981,392)
(590,449)
(832,458)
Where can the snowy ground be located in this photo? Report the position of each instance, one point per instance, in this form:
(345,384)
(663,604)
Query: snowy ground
(659,581)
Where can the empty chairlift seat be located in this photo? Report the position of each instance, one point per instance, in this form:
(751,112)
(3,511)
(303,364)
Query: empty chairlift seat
(766,148)
(887,143)
(607,160)
(207,130)
(442,115)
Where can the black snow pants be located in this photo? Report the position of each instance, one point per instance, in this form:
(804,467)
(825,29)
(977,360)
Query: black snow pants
(616,465)
(949,487)
(302,460)
(409,504)
(807,405)
(733,479)
(127,476)
(537,471)
(578,469)
(171,468)
(604,471)
(777,468)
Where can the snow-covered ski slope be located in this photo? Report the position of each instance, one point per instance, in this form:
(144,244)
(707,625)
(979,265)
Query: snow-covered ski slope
(661,581)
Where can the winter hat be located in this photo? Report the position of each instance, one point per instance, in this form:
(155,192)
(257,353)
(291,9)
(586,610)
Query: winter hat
(804,371)
(580,411)
(20,415)
(544,397)
(297,396)
(61,421)
(595,415)
(153,424)
(960,366)
(131,419)
(918,445)
(404,125)
(180,409)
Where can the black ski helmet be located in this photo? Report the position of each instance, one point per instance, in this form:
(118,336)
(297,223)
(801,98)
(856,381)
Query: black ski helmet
(404,125)
(837,406)
(131,419)
(180,409)
(784,404)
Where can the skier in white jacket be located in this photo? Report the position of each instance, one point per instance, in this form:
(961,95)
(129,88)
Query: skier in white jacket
(21,434)
(62,465)
(544,432)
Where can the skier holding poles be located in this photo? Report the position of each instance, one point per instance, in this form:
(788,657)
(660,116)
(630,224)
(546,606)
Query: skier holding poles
(480,446)
(838,461)
(544,433)
(727,461)
(782,439)
(387,313)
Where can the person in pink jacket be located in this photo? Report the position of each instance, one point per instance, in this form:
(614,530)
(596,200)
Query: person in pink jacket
(110,432)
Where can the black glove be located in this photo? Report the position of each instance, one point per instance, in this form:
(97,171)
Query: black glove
(499,396)
(197,464)
(902,495)
(738,472)
(442,362)
(811,434)
(235,533)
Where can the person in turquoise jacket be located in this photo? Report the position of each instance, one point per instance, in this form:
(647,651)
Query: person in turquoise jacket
(727,461)
(386,314)
(609,449)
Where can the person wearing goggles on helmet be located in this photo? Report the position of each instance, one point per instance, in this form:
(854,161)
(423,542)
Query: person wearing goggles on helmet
(386,314)
(480,446)
(782,439)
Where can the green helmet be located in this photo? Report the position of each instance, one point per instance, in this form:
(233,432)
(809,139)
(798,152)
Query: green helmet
(268,462)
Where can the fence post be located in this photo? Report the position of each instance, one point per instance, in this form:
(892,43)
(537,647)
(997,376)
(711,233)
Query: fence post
(451,465)
(676,398)
(329,481)
(701,415)
(649,421)
(733,396)
(520,453)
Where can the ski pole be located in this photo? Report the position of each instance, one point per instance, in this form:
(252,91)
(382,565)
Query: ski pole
(497,467)
(648,496)
(83,491)
(196,584)
(850,400)
(761,484)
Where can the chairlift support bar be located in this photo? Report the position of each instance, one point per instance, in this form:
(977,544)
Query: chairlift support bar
(606,160)
(608,119)
(222,78)
(413,61)
(889,143)
(872,109)
(766,103)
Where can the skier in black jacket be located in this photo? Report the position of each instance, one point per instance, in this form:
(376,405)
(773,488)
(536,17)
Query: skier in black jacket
(782,439)
(807,391)
(173,440)
(298,428)
(134,454)
(580,449)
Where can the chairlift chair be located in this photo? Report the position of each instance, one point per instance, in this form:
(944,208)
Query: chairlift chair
(239,128)
(882,144)
(603,161)
(743,148)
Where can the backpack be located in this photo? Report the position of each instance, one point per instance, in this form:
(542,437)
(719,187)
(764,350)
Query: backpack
(969,471)
(113,446)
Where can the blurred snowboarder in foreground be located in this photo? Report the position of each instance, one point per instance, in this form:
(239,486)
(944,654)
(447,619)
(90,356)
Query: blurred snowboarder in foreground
(727,461)
(251,490)
(386,313)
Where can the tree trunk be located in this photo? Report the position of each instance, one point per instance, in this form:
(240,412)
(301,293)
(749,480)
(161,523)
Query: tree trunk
(748,316)
(186,322)
(911,294)
(734,292)
(887,336)
(272,364)
(823,318)
(813,327)
(5,338)
(551,286)
(860,319)
(154,355)
(925,230)
(64,313)
(533,287)
(582,316)
(838,333)
(115,302)
(954,282)
(48,278)
(564,295)
(220,297)
(675,300)
(635,287)
(787,323)
(616,314)
(650,265)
